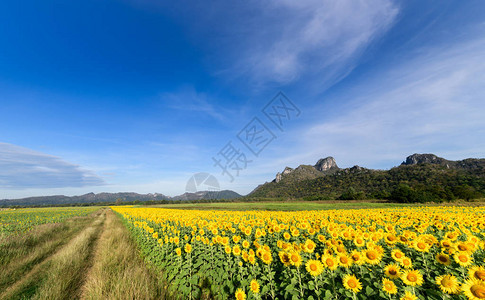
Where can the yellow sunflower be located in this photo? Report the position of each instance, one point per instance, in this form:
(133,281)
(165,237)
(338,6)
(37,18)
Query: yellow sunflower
(285,258)
(266,257)
(309,246)
(314,267)
(295,258)
(443,259)
(254,286)
(421,245)
(388,286)
(359,242)
(344,260)
(330,262)
(463,259)
(408,296)
(448,284)
(352,283)
(474,289)
(236,250)
(412,277)
(397,255)
(406,263)
(240,294)
(188,248)
(357,257)
(390,239)
(372,256)
(392,271)
(477,272)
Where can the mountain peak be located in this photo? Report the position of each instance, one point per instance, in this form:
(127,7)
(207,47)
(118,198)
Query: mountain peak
(429,158)
(325,164)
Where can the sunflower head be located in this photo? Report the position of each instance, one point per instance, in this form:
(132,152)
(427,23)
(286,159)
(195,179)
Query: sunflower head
(474,289)
(254,286)
(344,260)
(412,277)
(388,286)
(397,255)
(406,263)
(372,256)
(477,272)
(352,283)
(240,294)
(443,259)
(409,296)
(330,262)
(463,258)
(448,284)
(392,271)
(295,258)
(266,257)
(285,258)
(314,267)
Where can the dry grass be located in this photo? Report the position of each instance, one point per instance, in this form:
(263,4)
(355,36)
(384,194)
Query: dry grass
(83,258)
(19,254)
(118,272)
(59,276)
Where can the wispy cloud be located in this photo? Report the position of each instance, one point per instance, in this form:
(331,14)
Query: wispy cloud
(433,103)
(278,42)
(22,168)
(188,99)
(311,38)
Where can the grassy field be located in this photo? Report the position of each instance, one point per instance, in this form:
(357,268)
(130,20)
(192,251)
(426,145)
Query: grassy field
(87,257)
(93,253)
(303,205)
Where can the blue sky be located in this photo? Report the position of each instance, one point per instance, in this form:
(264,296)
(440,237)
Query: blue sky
(139,95)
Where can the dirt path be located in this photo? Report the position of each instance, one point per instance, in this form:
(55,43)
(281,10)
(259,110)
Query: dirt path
(56,276)
(98,260)
(118,272)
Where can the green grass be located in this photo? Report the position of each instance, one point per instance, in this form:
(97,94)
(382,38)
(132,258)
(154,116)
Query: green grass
(302,205)
(118,271)
(279,206)
(91,257)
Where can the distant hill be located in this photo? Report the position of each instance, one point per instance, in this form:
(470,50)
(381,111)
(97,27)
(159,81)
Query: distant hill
(114,197)
(421,177)
(204,195)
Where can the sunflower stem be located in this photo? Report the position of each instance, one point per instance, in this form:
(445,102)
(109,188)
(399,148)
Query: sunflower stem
(270,276)
(299,280)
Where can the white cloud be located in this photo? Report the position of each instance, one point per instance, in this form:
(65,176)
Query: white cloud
(322,39)
(279,42)
(22,168)
(433,103)
(188,99)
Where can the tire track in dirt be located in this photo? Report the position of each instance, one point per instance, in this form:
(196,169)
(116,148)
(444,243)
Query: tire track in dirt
(35,279)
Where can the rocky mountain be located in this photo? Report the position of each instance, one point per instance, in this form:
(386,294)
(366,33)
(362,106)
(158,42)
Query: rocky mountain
(204,195)
(322,167)
(421,177)
(466,164)
(115,197)
(326,164)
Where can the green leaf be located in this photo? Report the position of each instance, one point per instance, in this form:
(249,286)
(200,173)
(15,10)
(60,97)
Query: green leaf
(369,291)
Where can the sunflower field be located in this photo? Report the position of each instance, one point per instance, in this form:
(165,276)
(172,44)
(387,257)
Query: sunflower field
(17,221)
(394,253)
